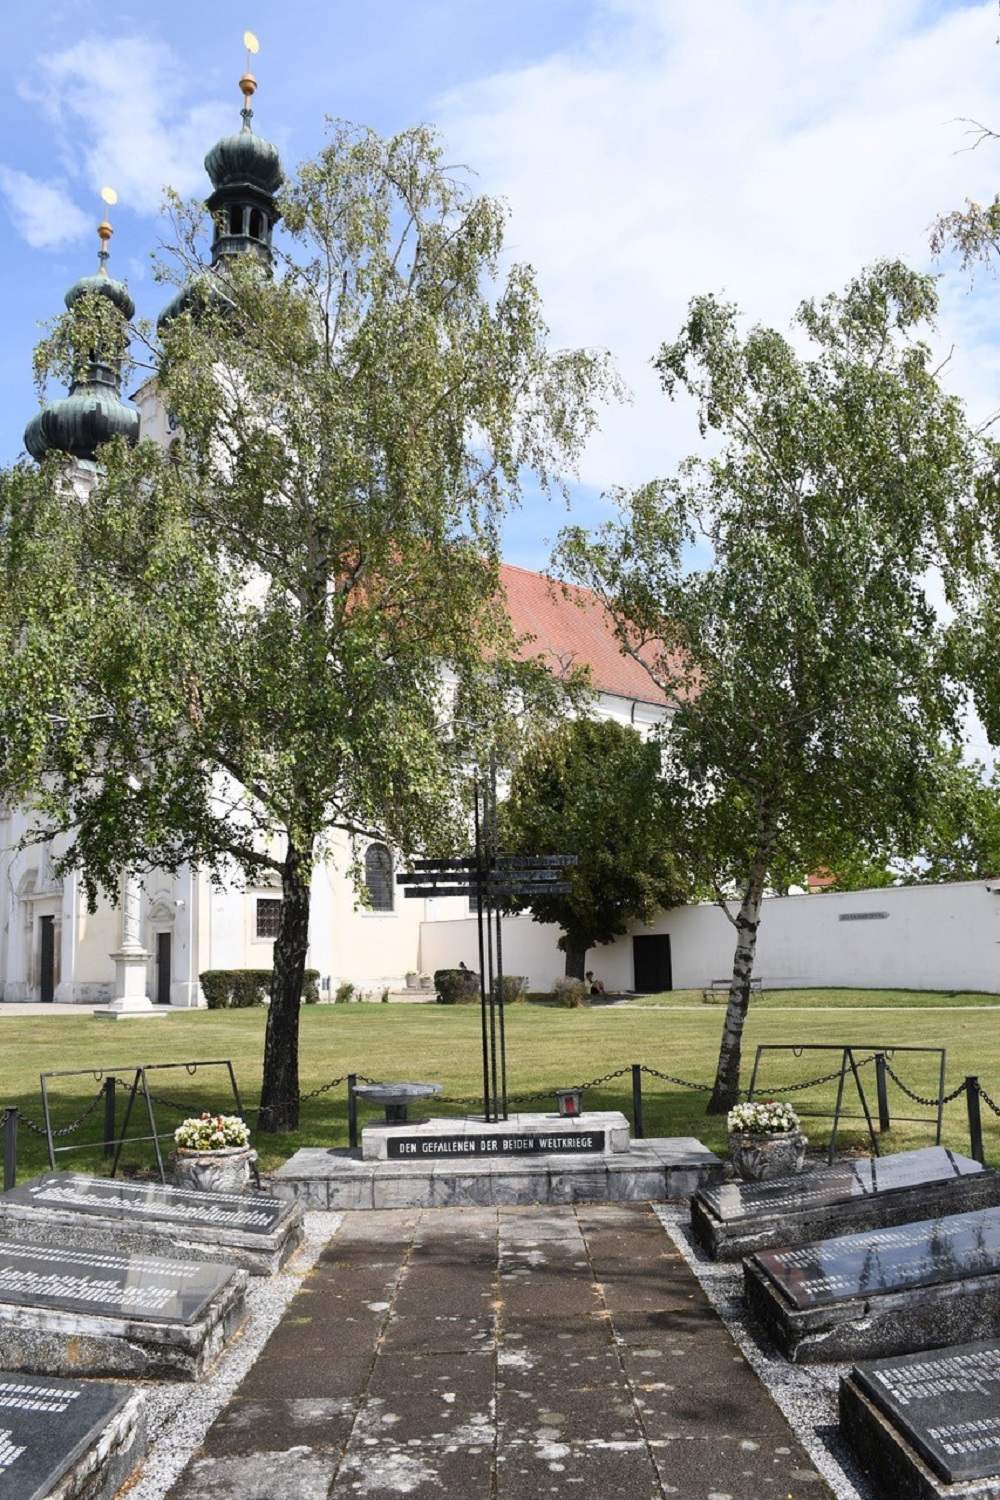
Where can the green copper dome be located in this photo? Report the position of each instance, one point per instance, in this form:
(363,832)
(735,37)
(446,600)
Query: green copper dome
(244,160)
(105,286)
(93,413)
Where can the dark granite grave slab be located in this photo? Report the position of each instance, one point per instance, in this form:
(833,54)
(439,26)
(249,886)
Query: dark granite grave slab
(75,1439)
(888,1291)
(928,1425)
(250,1230)
(90,1312)
(732,1220)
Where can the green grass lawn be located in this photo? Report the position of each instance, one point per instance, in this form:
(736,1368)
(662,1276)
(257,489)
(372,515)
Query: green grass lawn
(547,1048)
(841,999)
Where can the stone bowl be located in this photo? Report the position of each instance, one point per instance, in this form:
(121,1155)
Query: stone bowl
(759,1158)
(226,1171)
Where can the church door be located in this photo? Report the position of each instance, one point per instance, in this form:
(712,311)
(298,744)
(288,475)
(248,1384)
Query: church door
(163,964)
(47,948)
(651,957)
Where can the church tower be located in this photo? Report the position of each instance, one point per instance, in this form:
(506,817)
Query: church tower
(245,172)
(93,413)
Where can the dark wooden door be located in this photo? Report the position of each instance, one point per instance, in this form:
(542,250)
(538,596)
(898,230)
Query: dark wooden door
(47,945)
(163,946)
(653,971)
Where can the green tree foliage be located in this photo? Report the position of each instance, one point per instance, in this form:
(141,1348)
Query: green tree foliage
(805,657)
(592,788)
(232,652)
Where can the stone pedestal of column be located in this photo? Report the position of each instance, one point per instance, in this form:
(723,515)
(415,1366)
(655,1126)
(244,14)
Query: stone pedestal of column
(131,959)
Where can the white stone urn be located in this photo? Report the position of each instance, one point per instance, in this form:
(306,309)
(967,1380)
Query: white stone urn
(223,1171)
(758,1157)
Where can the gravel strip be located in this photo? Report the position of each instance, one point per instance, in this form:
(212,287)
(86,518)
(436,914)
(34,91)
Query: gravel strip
(179,1415)
(806,1395)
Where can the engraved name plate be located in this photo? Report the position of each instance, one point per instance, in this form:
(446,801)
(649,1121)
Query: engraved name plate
(45,1425)
(141,1202)
(946,1403)
(107,1285)
(887,1260)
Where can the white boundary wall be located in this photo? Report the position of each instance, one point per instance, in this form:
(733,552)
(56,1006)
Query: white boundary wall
(932,937)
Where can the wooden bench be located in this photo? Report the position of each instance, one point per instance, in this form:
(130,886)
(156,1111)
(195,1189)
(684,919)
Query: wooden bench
(717,990)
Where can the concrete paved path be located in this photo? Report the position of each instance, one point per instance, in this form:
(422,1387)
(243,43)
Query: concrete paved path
(505,1354)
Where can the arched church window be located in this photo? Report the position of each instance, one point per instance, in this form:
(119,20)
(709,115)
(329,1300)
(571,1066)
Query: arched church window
(255,224)
(378,877)
(236,219)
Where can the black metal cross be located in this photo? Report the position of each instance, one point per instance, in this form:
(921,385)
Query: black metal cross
(493,879)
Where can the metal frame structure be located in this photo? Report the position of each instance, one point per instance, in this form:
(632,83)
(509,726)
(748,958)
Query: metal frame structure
(493,879)
(847,1060)
(139,1084)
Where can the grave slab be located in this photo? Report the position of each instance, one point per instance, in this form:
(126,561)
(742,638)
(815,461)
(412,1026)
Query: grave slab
(468,1137)
(927,1425)
(88,1312)
(250,1230)
(887,1291)
(67,1439)
(653,1170)
(731,1220)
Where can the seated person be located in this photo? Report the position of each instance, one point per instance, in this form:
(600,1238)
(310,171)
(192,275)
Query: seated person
(596,985)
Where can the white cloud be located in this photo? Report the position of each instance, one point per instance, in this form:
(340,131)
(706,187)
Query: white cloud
(43,212)
(753,147)
(121,111)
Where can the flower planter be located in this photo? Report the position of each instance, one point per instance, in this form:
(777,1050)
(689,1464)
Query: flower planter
(758,1158)
(225,1171)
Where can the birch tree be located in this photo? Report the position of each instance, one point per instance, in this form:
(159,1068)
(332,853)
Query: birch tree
(804,656)
(240,662)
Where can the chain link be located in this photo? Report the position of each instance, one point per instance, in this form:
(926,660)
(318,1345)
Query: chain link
(684,1083)
(64,1129)
(991,1102)
(932,1103)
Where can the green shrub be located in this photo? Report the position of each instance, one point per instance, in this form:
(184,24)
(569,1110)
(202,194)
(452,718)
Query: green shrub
(343,992)
(456,986)
(235,989)
(571,992)
(310,987)
(511,989)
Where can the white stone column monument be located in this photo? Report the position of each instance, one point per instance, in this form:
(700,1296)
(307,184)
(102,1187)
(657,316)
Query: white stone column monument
(131,961)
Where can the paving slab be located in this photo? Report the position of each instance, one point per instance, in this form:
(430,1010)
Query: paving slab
(508,1353)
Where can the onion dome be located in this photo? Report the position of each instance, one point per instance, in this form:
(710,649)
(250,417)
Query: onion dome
(93,413)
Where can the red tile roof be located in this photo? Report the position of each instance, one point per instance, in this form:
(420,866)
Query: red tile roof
(570,627)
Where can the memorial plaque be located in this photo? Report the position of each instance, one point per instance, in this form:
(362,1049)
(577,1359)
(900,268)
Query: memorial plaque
(425,1147)
(733,1220)
(855,1266)
(251,1213)
(946,1403)
(73,1210)
(840,1183)
(108,1285)
(45,1427)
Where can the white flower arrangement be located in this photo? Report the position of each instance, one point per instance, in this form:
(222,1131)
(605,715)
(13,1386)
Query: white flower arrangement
(212,1133)
(763,1117)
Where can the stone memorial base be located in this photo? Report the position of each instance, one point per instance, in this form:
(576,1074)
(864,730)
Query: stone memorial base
(651,1170)
(732,1220)
(889,1291)
(79,1312)
(470,1137)
(927,1426)
(67,1439)
(252,1231)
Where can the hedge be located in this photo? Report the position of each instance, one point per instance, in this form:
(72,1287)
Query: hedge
(239,989)
(456,986)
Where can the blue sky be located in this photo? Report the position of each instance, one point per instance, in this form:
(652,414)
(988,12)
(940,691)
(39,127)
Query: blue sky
(649,150)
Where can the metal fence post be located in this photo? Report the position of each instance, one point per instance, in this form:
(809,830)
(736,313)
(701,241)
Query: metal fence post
(109,1117)
(352,1112)
(637,1126)
(882,1093)
(975,1118)
(9,1149)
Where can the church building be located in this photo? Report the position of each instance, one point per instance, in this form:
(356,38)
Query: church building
(167,929)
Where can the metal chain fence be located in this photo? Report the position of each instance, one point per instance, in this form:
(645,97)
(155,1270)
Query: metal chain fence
(919,1098)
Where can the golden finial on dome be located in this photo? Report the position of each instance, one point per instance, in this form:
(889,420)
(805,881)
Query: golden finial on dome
(248,83)
(104,230)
